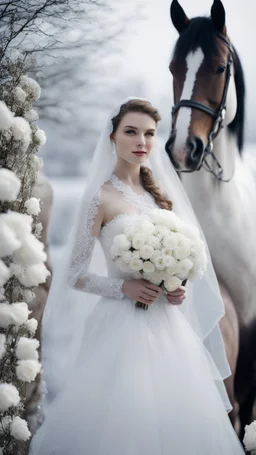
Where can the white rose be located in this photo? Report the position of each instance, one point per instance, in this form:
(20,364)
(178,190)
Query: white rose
(169,261)
(148,267)
(162,232)
(250,437)
(136,264)
(9,185)
(170,241)
(27,370)
(19,94)
(8,239)
(155,255)
(122,265)
(170,271)
(27,349)
(40,137)
(33,206)
(183,268)
(34,275)
(9,396)
(20,129)
(31,252)
(121,242)
(153,241)
(20,223)
(126,257)
(4,273)
(146,251)
(138,241)
(2,344)
(32,325)
(20,313)
(31,116)
(6,315)
(155,277)
(147,228)
(6,116)
(172,221)
(172,283)
(19,429)
(183,249)
(31,87)
(159,263)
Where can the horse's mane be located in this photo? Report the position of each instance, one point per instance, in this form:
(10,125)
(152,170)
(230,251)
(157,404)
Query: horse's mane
(202,33)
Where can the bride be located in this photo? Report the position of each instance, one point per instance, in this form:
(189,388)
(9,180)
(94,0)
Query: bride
(120,380)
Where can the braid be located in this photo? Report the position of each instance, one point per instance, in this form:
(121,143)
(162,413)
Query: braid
(149,184)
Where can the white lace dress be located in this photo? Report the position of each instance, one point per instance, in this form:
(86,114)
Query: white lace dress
(142,383)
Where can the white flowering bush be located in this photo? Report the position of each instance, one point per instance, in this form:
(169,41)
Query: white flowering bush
(22,254)
(160,248)
(250,438)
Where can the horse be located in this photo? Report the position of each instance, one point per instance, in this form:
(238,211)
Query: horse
(205,146)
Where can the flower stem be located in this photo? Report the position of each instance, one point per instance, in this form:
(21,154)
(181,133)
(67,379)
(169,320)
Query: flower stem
(143,306)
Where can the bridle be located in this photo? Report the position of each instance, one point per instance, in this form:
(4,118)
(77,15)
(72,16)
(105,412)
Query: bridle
(218,115)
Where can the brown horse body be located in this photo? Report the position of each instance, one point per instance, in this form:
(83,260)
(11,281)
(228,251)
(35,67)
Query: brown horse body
(207,135)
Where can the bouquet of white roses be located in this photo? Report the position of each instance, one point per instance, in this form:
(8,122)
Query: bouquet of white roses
(160,248)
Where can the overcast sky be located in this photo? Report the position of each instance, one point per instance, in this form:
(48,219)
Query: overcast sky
(148,52)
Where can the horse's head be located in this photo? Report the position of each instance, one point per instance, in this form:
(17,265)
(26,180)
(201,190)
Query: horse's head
(207,95)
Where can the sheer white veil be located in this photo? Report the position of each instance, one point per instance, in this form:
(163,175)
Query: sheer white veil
(67,309)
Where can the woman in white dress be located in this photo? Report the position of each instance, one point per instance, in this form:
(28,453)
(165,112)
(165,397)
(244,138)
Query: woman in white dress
(123,381)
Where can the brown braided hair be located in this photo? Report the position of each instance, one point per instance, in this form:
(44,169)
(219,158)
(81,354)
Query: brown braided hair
(149,184)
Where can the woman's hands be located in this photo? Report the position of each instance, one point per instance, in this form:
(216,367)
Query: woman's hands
(145,292)
(176,297)
(141,290)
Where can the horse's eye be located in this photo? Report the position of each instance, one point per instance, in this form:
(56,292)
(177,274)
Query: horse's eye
(221,69)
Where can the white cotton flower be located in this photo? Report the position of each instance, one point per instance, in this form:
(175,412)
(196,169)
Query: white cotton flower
(20,313)
(6,315)
(170,241)
(40,137)
(153,241)
(4,273)
(20,223)
(31,87)
(19,429)
(183,268)
(9,396)
(34,275)
(126,257)
(169,261)
(28,295)
(146,251)
(138,241)
(121,242)
(9,185)
(172,283)
(27,349)
(39,228)
(30,253)
(6,116)
(32,325)
(33,206)
(31,116)
(250,436)
(148,267)
(8,239)
(136,264)
(2,344)
(19,94)
(27,370)
(20,128)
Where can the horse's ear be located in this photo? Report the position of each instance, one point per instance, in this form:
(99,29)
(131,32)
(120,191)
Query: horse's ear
(178,16)
(218,16)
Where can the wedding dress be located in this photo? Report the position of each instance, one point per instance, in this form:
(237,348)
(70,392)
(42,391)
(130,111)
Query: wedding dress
(142,382)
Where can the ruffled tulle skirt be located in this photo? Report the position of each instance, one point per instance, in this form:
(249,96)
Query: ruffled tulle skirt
(142,384)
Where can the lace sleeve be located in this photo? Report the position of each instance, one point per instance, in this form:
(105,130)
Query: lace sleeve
(78,276)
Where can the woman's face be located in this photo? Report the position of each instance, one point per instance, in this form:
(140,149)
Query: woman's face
(135,137)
